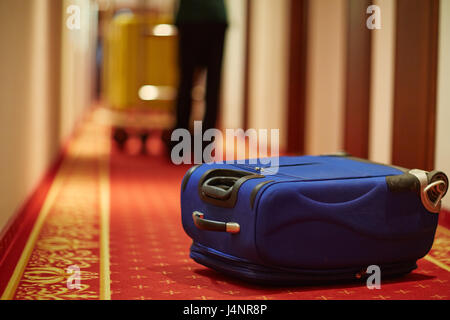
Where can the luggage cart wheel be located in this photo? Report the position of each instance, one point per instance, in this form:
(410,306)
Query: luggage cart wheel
(120,135)
(144,137)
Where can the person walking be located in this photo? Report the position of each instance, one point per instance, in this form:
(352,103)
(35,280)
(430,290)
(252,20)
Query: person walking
(201,33)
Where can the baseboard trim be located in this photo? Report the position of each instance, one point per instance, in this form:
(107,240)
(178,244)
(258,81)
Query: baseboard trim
(26,215)
(21,223)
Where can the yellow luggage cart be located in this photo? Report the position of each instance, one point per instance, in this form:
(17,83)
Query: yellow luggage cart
(139,74)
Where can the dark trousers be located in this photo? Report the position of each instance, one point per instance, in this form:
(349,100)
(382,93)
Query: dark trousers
(200,46)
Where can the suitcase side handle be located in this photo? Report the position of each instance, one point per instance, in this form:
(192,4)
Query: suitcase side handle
(211,225)
(433,186)
(430,186)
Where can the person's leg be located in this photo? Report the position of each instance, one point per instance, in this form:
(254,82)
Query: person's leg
(186,72)
(214,74)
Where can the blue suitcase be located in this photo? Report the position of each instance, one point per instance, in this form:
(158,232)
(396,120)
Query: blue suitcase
(311,218)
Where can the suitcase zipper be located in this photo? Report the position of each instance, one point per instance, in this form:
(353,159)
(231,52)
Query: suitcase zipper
(260,169)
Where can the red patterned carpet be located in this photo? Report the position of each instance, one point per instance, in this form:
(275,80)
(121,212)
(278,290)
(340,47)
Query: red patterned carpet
(116,216)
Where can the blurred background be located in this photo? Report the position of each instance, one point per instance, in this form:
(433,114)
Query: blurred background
(311,68)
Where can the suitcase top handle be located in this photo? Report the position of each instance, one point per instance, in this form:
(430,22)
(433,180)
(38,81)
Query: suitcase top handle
(219,187)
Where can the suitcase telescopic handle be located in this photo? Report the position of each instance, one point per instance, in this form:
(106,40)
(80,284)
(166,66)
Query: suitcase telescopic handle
(211,225)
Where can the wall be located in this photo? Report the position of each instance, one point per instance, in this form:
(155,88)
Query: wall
(31,82)
(26,110)
(442,150)
(234,65)
(382,84)
(268,66)
(77,66)
(325,80)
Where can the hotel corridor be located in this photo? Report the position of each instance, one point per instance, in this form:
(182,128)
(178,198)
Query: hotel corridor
(90,105)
